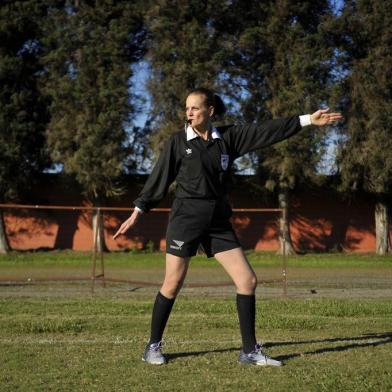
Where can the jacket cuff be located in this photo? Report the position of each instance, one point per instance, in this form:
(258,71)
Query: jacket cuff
(139,209)
(305,120)
(138,205)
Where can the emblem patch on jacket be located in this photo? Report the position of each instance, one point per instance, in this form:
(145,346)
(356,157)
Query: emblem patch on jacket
(224,161)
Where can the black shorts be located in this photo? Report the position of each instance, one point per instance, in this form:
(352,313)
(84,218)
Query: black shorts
(195,222)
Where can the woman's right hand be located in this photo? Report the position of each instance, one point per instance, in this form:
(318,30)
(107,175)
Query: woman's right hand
(126,225)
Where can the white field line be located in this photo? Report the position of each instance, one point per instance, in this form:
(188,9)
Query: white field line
(117,341)
(170,342)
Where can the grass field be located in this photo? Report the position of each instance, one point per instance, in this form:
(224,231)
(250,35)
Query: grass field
(333,331)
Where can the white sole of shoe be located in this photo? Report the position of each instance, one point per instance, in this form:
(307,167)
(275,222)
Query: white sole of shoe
(153,363)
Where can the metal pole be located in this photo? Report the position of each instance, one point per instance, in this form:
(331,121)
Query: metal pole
(95,236)
(102,276)
(95,240)
(284,270)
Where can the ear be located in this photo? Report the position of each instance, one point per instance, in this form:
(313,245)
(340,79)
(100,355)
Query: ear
(211,111)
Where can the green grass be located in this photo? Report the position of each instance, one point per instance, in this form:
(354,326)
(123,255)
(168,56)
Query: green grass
(61,337)
(312,270)
(95,344)
(141,259)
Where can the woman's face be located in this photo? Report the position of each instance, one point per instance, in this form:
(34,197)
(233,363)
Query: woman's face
(197,113)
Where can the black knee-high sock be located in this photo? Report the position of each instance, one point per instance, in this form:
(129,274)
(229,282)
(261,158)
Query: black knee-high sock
(246,307)
(160,315)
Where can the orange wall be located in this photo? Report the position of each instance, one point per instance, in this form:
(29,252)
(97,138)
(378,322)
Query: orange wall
(319,221)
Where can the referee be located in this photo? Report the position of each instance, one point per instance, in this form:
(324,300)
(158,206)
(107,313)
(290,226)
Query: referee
(199,160)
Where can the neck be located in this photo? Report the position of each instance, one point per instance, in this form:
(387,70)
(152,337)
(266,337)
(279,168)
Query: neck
(202,131)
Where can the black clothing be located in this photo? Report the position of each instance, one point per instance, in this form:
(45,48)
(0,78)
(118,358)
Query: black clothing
(200,221)
(201,168)
(201,212)
(246,308)
(160,315)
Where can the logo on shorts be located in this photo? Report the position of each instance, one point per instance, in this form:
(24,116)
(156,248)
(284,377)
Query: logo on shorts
(188,151)
(224,161)
(178,245)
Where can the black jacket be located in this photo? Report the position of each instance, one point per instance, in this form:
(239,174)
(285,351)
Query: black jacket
(201,168)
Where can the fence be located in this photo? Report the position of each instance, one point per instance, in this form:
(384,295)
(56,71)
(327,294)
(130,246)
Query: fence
(98,253)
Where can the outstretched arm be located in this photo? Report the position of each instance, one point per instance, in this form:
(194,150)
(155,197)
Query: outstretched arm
(251,137)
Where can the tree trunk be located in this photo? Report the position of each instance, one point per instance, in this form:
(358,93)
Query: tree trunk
(286,246)
(68,225)
(382,228)
(98,229)
(4,245)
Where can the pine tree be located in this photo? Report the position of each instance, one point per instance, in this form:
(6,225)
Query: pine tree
(364,34)
(184,52)
(282,61)
(90,48)
(23,109)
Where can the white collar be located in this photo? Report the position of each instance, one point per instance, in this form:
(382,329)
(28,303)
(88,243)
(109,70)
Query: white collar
(191,134)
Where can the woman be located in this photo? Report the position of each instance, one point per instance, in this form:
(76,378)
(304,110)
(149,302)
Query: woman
(200,159)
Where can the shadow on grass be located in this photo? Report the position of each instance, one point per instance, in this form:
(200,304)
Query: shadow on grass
(380,339)
(360,342)
(172,356)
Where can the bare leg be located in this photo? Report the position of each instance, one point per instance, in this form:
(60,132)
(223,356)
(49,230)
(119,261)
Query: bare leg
(240,271)
(176,269)
(245,280)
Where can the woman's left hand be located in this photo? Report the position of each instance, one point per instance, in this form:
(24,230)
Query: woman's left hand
(322,117)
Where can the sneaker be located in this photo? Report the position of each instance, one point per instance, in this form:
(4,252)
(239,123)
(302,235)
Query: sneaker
(153,354)
(257,357)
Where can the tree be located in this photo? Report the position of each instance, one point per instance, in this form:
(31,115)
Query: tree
(282,63)
(90,48)
(364,37)
(23,108)
(184,52)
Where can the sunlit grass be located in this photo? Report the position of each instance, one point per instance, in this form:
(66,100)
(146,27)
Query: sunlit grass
(92,343)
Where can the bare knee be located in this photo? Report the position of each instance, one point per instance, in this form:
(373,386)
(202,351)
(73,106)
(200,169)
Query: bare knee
(176,269)
(171,287)
(252,283)
(247,285)
(237,266)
